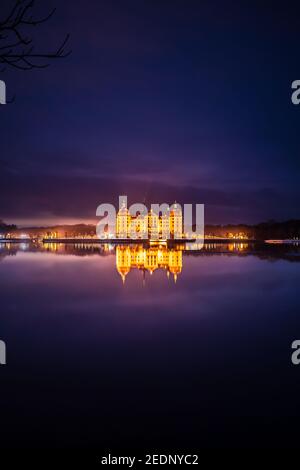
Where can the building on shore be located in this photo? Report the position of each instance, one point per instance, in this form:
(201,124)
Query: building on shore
(150,226)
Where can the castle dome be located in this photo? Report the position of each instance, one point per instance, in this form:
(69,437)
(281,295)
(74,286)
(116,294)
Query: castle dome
(123,210)
(176,209)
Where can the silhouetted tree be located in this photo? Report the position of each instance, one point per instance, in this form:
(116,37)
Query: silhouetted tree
(4,226)
(17,48)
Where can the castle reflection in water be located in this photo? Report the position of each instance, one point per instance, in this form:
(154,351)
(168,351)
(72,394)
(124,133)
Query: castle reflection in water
(148,259)
(154,256)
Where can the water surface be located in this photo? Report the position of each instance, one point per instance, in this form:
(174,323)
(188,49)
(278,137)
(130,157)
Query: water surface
(96,360)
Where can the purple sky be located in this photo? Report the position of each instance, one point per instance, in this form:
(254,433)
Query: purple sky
(160,101)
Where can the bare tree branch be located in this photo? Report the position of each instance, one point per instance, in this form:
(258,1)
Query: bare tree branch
(17,49)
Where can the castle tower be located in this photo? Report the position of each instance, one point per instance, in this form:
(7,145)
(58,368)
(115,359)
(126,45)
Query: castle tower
(151,259)
(165,226)
(176,221)
(153,225)
(123,261)
(175,263)
(123,222)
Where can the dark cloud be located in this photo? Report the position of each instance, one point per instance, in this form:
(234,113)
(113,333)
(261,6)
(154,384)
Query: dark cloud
(172,100)
(61,197)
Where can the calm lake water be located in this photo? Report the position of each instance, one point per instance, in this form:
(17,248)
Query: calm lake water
(101,353)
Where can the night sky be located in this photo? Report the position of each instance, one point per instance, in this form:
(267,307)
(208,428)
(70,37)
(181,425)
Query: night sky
(159,100)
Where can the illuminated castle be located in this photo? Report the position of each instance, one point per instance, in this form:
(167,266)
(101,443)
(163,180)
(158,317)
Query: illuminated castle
(148,259)
(152,226)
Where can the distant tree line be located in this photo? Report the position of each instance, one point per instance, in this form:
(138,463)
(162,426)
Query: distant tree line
(6,228)
(263,231)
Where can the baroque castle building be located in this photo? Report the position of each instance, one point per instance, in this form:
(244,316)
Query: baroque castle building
(150,226)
